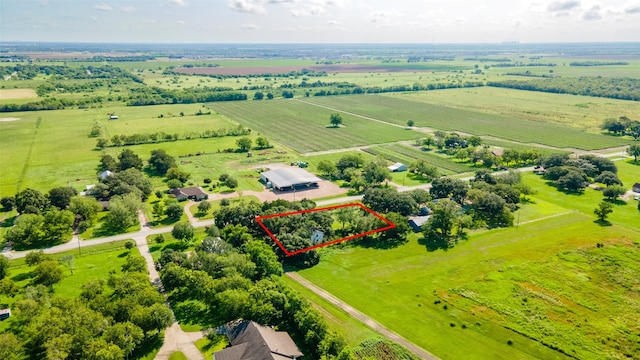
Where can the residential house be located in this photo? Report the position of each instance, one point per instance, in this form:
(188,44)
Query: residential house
(191,193)
(636,187)
(251,341)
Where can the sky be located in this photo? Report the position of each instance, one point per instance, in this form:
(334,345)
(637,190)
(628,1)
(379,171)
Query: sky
(320,21)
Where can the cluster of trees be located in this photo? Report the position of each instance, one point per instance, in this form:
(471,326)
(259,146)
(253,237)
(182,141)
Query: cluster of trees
(161,136)
(295,74)
(109,320)
(597,63)
(156,96)
(615,88)
(352,169)
(488,200)
(396,88)
(52,104)
(48,219)
(245,144)
(60,72)
(242,281)
(575,174)
(622,126)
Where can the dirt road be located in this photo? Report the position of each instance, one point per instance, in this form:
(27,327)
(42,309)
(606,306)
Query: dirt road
(424,354)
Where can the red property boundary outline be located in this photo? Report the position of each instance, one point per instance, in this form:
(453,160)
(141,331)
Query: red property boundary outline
(289,253)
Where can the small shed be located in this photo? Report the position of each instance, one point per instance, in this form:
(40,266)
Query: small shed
(105,174)
(5,314)
(416,222)
(397,167)
(636,187)
(113,117)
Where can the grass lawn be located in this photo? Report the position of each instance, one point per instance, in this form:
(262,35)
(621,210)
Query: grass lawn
(208,347)
(215,205)
(506,293)
(178,355)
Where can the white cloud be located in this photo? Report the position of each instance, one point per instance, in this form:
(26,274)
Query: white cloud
(383,17)
(249,26)
(563,6)
(44,2)
(128,9)
(247,6)
(181,22)
(338,3)
(593,14)
(309,11)
(103,7)
(180,3)
(334,22)
(632,9)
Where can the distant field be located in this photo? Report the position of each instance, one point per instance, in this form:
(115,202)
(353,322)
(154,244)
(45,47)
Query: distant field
(489,289)
(7,94)
(399,108)
(306,128)
(407,155)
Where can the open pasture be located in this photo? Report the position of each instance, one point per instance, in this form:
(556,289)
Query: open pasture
(13,94)
(399,108)
(406,154)
(493,293)
(45,149)
(580,112)
(306,128)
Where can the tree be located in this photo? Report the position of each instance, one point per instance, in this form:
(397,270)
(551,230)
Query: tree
(398,234)
(603,210)
(258,96)
(8,203)
(613,125)
(441,226)
(48,273)
(634,150)
(231,182)
(270,96)
(128,159)
(123,211)
(236,235)
(35,257)
(10,347)
(60,197)
(428,141)
(183,231)
(125,335)
(26,232)
(608,178)
(176,174)
(410,123)
(69,261)
(4,267)
(266,260)
(86,210)
(31,201)
(244,144)
(174,184)
(326,167)
(376,172)
(613,191)
(423,169)
(262,142)
(107,162)
(573,180)
(203,207)
(335,119)
(174,211)
(474,141)
(161,162)
(57,226)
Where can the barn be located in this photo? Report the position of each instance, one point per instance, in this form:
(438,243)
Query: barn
(397,167)
(289,179)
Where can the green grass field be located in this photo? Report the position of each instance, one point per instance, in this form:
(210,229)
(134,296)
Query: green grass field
(306,128)
(495,288)
(399,108)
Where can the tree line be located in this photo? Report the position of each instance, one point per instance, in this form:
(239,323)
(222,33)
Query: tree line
(161,136)
(614,88)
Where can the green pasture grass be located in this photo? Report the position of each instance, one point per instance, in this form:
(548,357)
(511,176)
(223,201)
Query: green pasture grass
(399,108)
(399,287)
(294,123)
(407,178)
(178,355)
(208,347)
(351,329)
(505,144)
(171,243)
(409,154)
(580,112)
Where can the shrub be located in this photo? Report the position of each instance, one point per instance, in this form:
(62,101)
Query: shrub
(159,239)
(129,244)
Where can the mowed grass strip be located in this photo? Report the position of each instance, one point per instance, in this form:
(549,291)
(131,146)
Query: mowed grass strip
(306,128)
(399,108)
(472,296)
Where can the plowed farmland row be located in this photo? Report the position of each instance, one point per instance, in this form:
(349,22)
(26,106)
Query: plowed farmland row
(306,128)
(398,110)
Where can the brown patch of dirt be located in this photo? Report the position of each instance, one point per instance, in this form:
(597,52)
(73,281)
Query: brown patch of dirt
(6,94)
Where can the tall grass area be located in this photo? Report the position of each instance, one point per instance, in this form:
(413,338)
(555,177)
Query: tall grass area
(554,286)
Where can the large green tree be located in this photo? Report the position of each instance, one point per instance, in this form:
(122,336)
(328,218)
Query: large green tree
(4,267)
(128,159)
(60,197)
(160,161)
(335,119)
(634,150)
(244,144)
(31,201)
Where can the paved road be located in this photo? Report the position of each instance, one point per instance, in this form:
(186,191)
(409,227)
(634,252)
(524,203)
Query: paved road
(422,353)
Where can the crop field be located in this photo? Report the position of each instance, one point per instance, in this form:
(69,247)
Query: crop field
(407,155)
(398,109)
(306,128)
(562,109)
(518,292)
(12,94)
